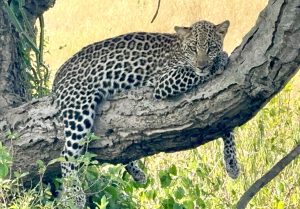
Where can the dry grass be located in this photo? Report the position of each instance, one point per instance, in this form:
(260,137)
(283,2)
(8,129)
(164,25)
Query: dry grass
(72,24)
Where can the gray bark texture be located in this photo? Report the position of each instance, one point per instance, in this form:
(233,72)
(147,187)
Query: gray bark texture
(133,125)
(12,91)
(12,80)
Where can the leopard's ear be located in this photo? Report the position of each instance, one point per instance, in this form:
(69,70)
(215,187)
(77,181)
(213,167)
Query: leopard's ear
(222,28)
(183,32)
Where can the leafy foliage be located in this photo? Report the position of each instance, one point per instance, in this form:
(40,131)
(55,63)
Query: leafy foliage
(5,161)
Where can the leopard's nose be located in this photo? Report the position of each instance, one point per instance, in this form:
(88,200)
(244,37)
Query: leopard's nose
(202,60)
(202,63)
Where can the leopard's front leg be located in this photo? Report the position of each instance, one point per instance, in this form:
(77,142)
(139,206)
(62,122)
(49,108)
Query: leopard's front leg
(178,80)
(220,63)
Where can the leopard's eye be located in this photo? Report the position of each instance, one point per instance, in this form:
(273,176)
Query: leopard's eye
(212,48)
(208,50)
(192,43)
(193,49)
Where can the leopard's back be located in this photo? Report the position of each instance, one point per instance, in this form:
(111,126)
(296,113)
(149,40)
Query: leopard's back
(115,64)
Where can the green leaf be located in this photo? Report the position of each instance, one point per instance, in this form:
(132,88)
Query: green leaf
(23,174)
(281,187)
(197,190)
(177,206)
(173,170)
(93,171)
(186,182)
(3,170)
(188,204)
(233,192)
(151,194)
(60,159)
(103,203)
(168,203)
(128,188)
(41,166)
(280,205)
(179,193)
(92,137)
(40,163)
(200,202)
(165,179)
(113,192)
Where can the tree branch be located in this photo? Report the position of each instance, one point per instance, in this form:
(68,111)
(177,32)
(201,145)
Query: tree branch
(265,179)
(156,12)
(132,125)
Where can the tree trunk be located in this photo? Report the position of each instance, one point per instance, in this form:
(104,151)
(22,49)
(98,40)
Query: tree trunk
(132,125)
(12,89)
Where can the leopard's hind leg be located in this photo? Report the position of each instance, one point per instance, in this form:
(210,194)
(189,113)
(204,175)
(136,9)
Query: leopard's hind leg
(231,163)
(78,122)
(136,172)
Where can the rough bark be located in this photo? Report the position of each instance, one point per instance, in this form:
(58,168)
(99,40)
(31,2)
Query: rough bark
(132,125)
(12,80)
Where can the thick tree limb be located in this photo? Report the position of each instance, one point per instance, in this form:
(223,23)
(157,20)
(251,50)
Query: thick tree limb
(133,125)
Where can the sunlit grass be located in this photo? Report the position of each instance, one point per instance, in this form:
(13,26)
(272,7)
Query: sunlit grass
(72,24)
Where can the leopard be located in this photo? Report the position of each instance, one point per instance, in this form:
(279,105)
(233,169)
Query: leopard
(170,63)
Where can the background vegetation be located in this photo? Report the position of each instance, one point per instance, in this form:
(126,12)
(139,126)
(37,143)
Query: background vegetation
(189,179)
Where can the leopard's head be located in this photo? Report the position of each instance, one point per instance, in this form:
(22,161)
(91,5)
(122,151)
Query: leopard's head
(202,42)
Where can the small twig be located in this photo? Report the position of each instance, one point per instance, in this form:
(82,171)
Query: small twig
(156,12)
(41,41)
(271,174)
(41,49)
